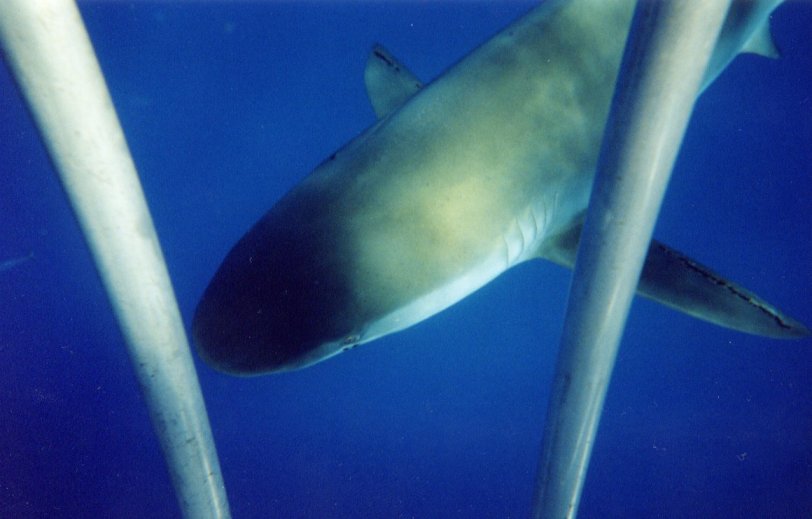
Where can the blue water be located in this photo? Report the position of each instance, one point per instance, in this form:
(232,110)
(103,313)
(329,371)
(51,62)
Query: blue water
(225,108)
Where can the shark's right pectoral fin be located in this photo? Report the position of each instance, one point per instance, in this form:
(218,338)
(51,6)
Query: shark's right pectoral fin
(679,282)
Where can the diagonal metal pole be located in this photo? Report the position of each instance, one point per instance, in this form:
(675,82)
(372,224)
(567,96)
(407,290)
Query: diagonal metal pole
(50,54)
(669,46)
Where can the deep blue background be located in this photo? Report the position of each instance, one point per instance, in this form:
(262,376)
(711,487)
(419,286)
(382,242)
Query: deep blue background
(226,106)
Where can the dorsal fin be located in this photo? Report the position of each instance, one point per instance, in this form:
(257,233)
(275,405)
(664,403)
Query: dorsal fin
(389,83)
(761,43)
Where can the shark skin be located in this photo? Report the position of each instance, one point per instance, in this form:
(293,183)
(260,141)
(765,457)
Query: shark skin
(486,167)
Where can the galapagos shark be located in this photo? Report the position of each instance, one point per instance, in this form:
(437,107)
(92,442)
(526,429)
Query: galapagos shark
(488,166)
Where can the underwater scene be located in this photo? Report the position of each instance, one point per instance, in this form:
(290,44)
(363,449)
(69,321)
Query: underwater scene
(227,106)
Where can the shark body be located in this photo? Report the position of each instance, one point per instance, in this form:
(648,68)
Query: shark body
(486,167)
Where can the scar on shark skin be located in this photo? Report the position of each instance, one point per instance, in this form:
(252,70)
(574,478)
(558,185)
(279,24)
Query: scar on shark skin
(380,55)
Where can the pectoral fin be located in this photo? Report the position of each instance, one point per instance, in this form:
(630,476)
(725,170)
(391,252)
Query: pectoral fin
(673,279)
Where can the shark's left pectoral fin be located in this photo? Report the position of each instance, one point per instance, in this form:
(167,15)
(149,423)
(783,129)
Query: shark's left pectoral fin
(389,83)
(673,279)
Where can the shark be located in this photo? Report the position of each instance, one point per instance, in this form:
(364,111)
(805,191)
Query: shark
(458,180)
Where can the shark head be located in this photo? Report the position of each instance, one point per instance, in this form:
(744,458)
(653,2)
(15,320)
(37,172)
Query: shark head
(281,298)
(324,271)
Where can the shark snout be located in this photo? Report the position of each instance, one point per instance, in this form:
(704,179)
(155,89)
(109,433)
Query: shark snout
(279,301)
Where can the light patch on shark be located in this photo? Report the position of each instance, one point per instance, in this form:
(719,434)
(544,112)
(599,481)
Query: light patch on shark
(488,166)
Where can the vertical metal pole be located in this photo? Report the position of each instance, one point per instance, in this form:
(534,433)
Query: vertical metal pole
(669,46)
(48,49)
